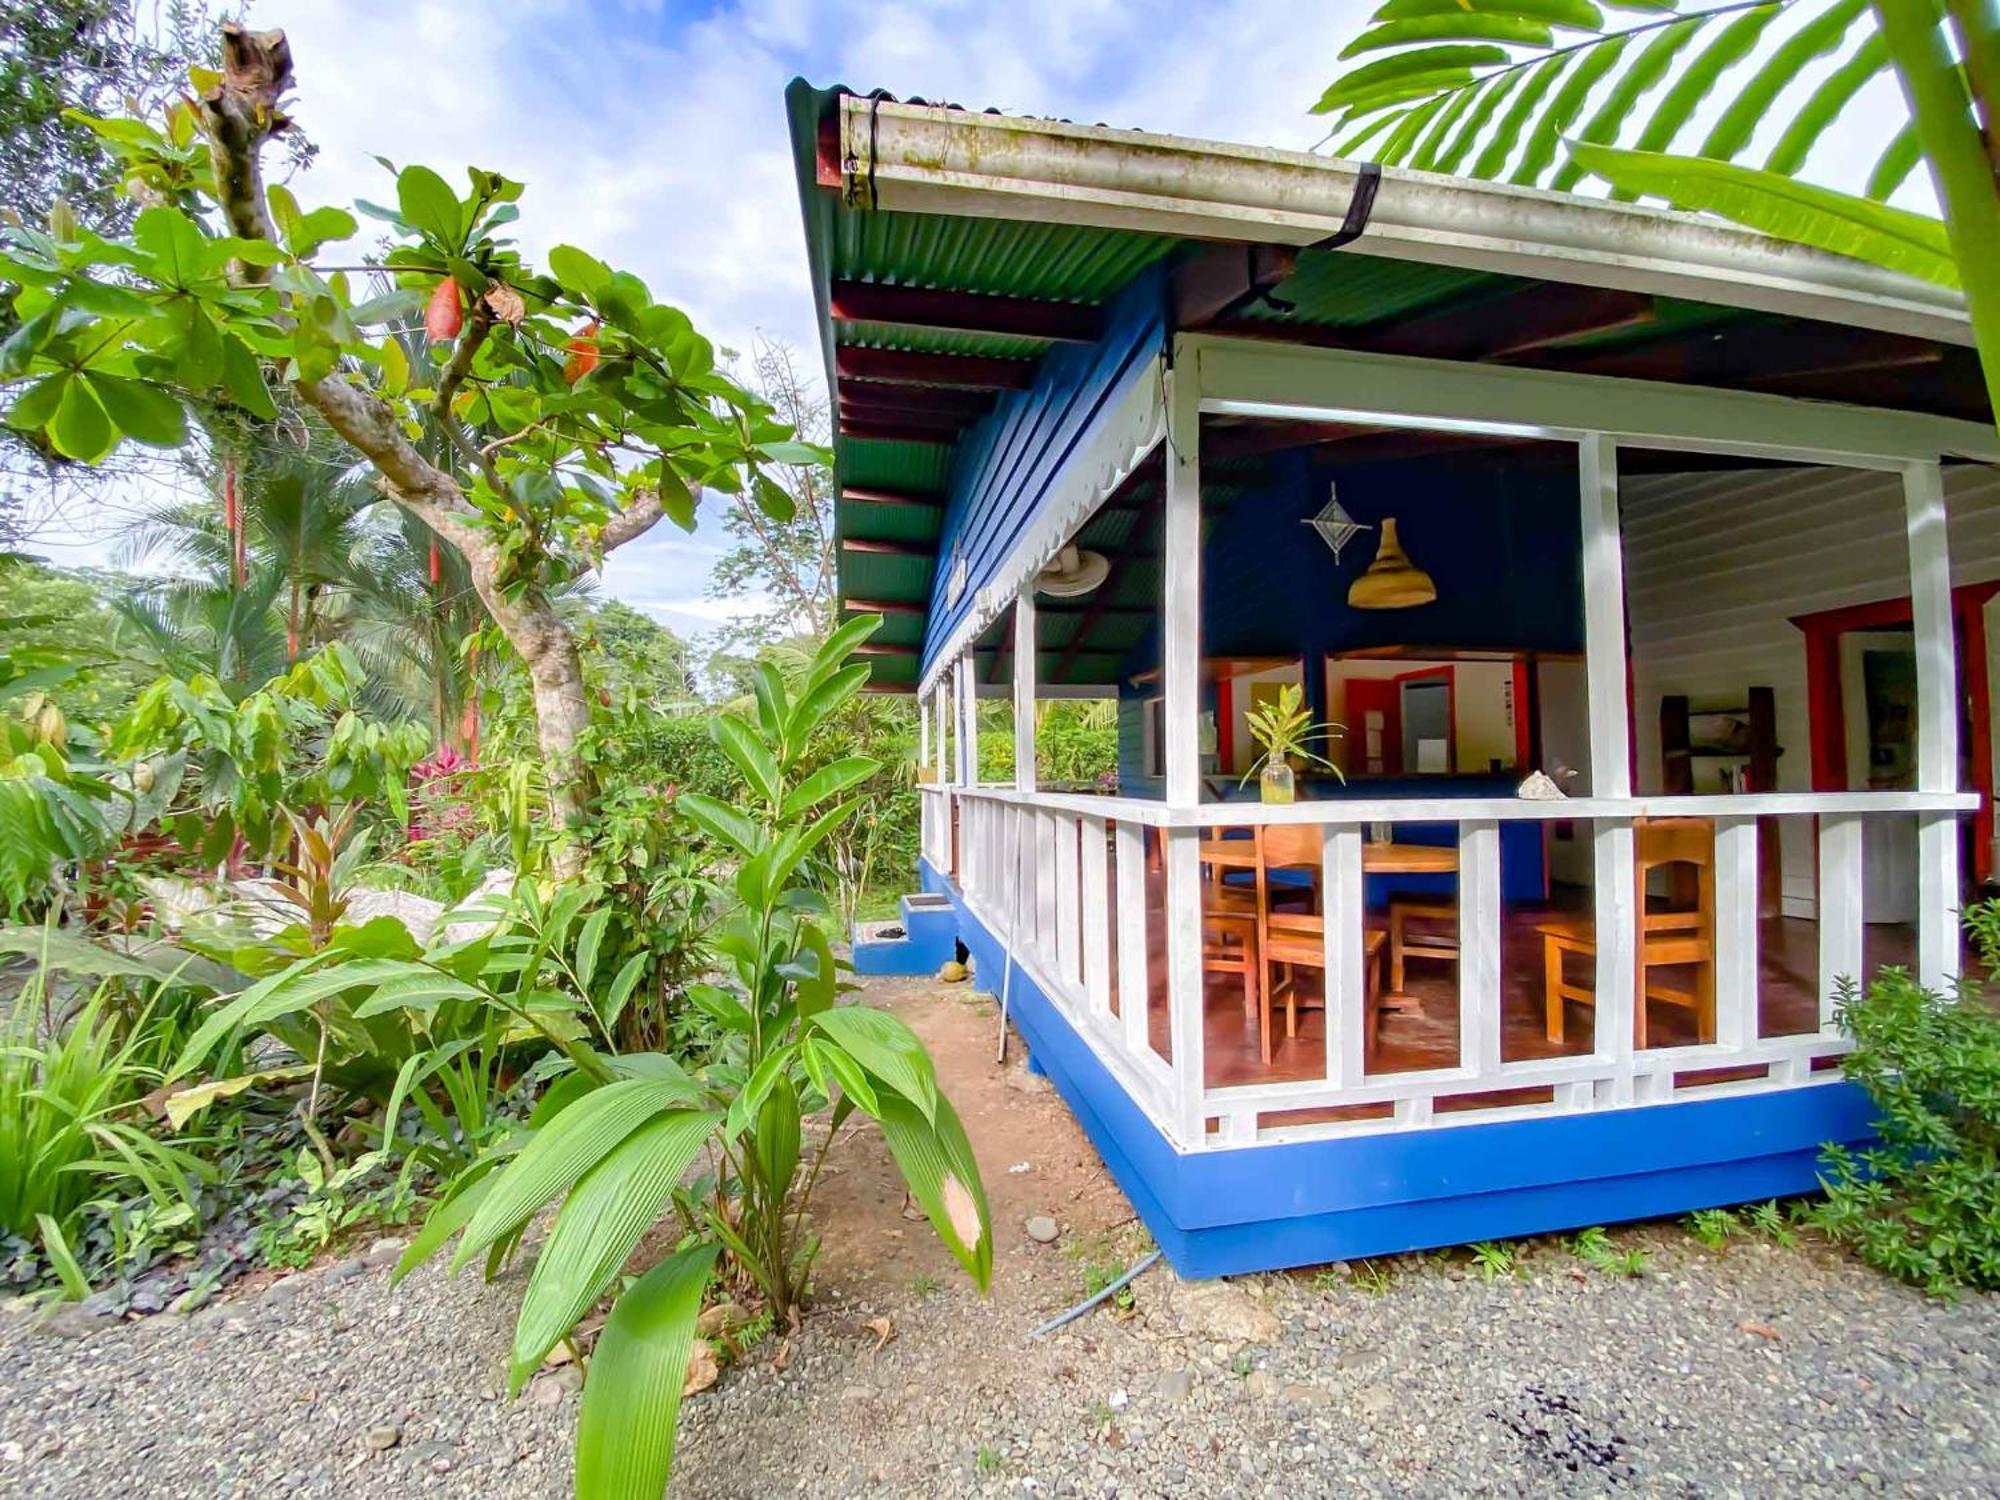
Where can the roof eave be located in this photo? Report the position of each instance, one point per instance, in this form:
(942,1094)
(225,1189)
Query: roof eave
(922,158)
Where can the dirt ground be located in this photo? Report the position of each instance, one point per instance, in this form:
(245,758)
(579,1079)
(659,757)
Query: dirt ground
(1031,1154)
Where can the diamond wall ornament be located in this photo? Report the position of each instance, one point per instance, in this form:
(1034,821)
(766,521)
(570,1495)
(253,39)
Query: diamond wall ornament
(1335,526)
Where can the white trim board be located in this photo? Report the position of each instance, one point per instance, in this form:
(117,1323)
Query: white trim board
(932,159)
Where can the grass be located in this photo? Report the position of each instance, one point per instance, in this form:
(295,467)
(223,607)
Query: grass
(1769,1220)
(1102,1258)
(1712,1226)
(923,1284)
(1594,1247)
(1495,1261)
(988,1461)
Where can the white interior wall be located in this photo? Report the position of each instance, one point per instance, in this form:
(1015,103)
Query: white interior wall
(1717,564)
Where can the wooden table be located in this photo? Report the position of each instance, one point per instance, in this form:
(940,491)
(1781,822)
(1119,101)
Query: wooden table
(1376,858)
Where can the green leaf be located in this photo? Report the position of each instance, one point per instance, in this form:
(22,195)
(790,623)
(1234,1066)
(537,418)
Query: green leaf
(777,1140)
(1371,78)
(620,993)
(140,411)
(936,1161)
(1827,103)
(1492,94)
(1752,105)
(757,1089)
(243,376)
(584,275)
(676,499)
(887,1049)
(1898,159)
(1572,15)
(747,753)
(1454,25)
(587,943)
(773,500)
(631,1404)
(445,1220)
(1730,47)
(817,993)
(25,342)
(828,781)
(1778,205)
(720,821)
(601,1224)
(62,1259)
(837,647)
(422,989)
(176,246)
(1506,136)
(817,702)
(34,407)
(429,204)
(823,1057)
(81,430)
(1569,101)
(1633,85)
(561,1152)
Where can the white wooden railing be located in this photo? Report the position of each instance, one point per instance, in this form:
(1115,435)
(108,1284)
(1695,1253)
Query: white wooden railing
(1063,882)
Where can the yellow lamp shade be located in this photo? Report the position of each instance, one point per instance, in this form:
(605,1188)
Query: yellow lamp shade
(1392,580)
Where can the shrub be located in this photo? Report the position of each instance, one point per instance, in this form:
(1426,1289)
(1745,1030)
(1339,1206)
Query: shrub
(1924,1205)
(72,1128)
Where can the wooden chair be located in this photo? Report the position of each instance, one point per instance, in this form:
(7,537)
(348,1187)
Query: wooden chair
(1229,929)
(1667,938)
(1288,940)
(1405,945)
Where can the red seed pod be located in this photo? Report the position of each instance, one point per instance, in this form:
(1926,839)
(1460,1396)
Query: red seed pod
(444,315)
(582,354)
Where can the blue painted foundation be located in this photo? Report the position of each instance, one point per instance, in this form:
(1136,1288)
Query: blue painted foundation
(930,940)
(1260,1208)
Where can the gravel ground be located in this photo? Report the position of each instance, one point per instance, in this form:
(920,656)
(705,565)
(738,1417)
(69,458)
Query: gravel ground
(1753,1370)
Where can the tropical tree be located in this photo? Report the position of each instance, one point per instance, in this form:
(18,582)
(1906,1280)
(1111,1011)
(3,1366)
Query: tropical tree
(1545,92)
(578,411)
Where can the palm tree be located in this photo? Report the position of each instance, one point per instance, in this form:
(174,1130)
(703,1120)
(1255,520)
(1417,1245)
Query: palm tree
(1543,92)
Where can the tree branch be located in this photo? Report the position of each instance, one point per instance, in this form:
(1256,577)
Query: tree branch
(240,113)
(640,517)
(455,372)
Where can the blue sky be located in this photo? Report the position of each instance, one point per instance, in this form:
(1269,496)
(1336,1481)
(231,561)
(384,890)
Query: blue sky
(654,133)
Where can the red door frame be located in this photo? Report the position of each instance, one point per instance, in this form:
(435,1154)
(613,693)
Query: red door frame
(1827,713)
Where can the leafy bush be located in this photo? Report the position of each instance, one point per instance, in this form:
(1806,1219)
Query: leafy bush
(1925,1204)
(617,1138)
(72,1128)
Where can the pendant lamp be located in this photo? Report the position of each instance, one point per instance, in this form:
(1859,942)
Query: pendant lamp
(1392,580)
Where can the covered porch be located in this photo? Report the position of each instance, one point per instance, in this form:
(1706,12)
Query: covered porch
(1739,627)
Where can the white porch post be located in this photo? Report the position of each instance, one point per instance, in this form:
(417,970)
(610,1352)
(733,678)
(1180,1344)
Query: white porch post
(968,720)
(1024,690)
(1610,752)
(938,760)
(923,731)
(1180,641)
(1937,724)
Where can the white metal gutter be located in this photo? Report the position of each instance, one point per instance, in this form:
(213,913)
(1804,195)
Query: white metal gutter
(921,158)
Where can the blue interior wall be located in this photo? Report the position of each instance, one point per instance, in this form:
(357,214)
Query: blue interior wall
(1003,470)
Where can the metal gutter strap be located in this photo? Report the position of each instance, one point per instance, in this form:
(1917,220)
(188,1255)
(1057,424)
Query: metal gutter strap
(1352,226)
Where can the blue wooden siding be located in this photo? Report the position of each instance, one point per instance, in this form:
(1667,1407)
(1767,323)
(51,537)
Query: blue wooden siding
(1004,469)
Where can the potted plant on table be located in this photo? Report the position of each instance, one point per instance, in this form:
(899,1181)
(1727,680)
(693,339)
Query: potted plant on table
(1284,732)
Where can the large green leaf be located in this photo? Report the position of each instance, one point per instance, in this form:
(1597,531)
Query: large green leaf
(1823,34)
(1358,84)
(1778,205)
(561,1152)
(600,1225)
(720,821)
(887,1049)
(748,753)
(828,781)
(1730,46)
(428,203)
(631,1404)
(936,1160)
(1454,25)
(1637,81)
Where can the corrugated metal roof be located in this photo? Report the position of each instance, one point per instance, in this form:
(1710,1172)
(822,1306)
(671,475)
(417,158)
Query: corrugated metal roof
(1338,290)
(937,340)
(1056,262)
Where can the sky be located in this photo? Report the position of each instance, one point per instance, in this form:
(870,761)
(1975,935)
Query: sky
(653,133)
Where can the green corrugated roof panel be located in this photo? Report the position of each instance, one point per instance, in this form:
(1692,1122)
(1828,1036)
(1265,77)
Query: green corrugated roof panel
(890,523)
(937,340)
(873,464)
(871,575)
(1061,262)
(1350,288)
